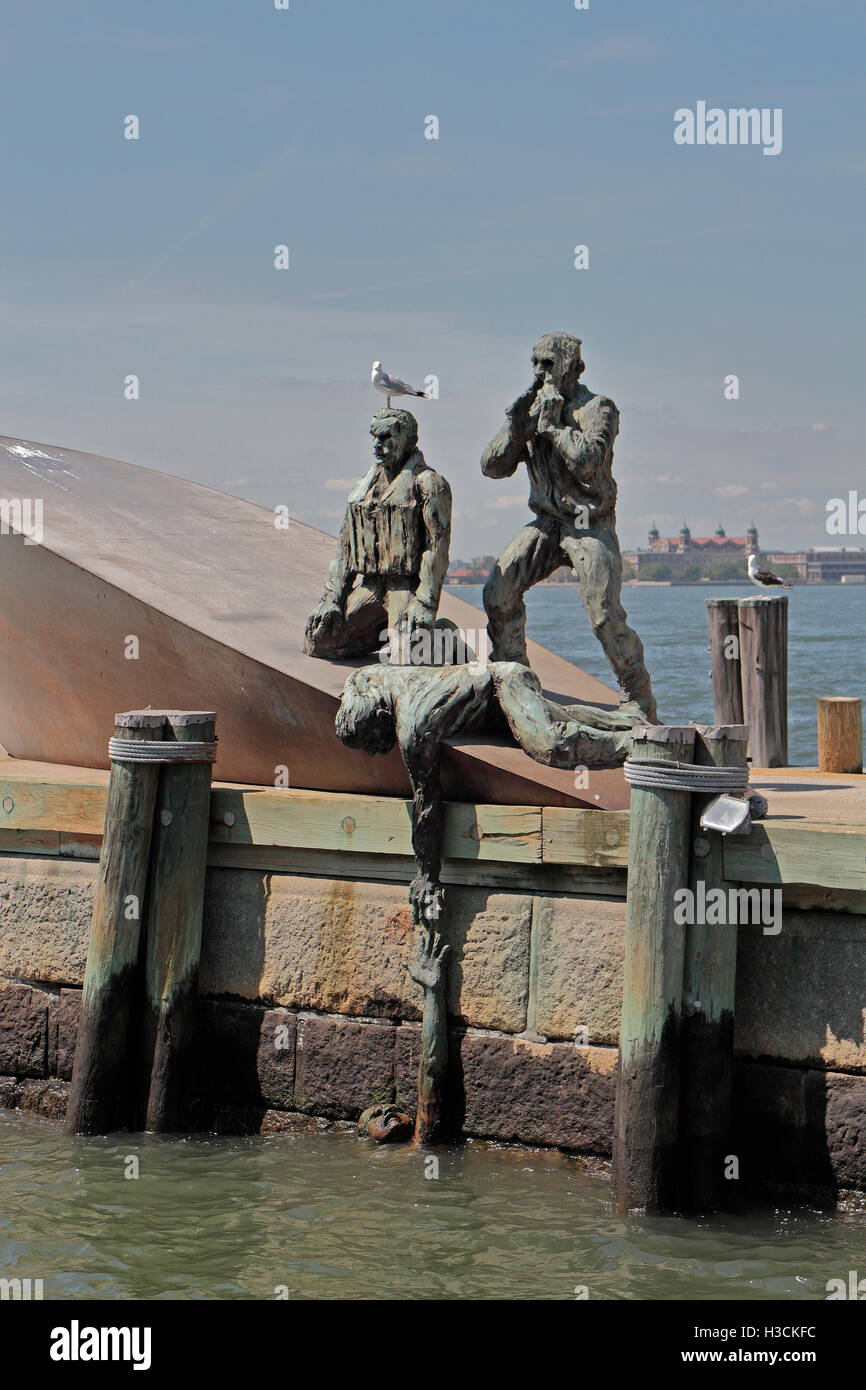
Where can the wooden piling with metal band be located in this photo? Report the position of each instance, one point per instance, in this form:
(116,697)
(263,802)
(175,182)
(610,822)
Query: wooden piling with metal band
(646,1125)
(763,623)
(840,734)
(724,625)
(101,1097)
(174,922)
(709,975)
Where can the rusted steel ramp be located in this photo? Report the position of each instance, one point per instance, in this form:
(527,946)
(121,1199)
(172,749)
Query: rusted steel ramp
(146,589)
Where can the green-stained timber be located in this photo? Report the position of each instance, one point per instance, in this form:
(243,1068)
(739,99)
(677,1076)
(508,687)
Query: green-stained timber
(646,1126)
(100,1098)
(174,922)
(709,977)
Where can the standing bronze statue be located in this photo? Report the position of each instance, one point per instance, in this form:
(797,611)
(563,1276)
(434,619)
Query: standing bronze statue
(395,537)
(564,433)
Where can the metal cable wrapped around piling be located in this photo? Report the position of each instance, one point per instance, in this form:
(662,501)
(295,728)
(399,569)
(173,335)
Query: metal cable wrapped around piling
(128,750)
(685,777)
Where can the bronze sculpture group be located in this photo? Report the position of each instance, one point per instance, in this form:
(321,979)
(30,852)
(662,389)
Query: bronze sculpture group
(385,582)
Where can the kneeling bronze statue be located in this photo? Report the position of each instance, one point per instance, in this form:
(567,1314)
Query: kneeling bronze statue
(386,577)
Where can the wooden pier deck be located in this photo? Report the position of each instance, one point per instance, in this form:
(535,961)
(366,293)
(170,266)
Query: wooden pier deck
(812,843)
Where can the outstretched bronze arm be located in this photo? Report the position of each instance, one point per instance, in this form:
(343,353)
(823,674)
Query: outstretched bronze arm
(429,972)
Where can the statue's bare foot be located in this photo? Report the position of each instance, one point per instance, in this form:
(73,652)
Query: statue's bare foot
(642,711)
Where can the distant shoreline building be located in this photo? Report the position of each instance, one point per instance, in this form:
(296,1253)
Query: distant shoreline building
(824,564)
(679,552)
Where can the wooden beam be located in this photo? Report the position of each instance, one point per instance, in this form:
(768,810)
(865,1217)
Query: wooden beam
(368,824)
(391,868)
(52,805)
(775,854)
(587,838)
(64,815)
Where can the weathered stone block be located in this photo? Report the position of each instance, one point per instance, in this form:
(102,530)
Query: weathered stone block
(64,1014)
(836,1106)
(407,1057)
(227,1097)
(341,946)
(537,1093)
(801,995)
(45,911)
(276,1058)
(43,1096)
(511,1089)
(769,1124)
(23,1030)
(342,1067)
(580,946)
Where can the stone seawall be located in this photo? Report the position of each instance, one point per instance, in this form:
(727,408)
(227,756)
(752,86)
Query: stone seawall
(306,1006)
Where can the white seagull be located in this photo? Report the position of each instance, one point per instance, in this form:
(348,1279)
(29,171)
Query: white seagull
(392,385)
(764,579)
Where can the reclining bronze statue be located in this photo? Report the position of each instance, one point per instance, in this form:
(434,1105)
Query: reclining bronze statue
(418,707)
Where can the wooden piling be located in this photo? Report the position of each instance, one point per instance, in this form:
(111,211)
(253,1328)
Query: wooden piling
(724,625)
(646,1129)
(173,926)
(709,975)
(101,1098)
(840,734)
(763,623)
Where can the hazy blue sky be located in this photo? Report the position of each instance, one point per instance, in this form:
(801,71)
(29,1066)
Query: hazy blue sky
(306,127)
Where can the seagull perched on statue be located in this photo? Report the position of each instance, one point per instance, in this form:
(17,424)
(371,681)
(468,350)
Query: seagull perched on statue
(764,579)
(392,385)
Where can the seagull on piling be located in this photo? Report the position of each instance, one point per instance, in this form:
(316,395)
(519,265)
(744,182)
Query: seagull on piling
(764,579)
(392,385)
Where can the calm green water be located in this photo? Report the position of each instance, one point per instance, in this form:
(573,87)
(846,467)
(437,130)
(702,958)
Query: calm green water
(329,1216)
(826,651)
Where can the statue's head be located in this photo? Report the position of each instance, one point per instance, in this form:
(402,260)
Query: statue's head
(556,359)
(395,434)
(386,1124)
(365,718)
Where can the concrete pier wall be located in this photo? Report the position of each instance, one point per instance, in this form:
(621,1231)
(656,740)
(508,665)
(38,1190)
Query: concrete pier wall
(307,1006)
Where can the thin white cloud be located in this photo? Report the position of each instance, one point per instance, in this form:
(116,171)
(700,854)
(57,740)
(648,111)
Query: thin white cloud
(629,47)
(501,504)
(338,484)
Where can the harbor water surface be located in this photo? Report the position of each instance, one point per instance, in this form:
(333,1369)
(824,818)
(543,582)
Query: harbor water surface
(826,654)
(329,1216)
